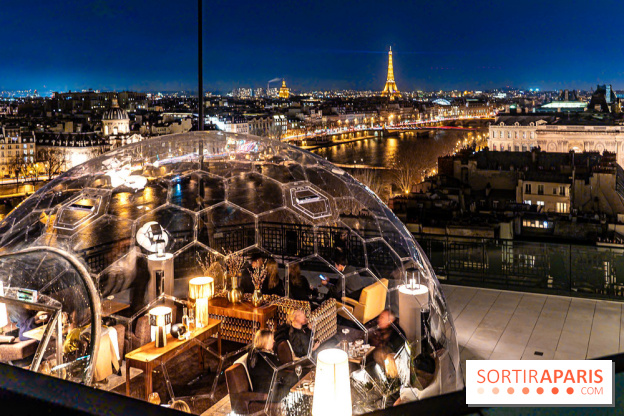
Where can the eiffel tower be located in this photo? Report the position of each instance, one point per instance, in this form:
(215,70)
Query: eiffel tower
(390,90)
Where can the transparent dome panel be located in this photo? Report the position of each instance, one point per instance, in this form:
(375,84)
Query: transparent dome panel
(197,191)
(49,303)
(254,192)
(194,198)
(227,228)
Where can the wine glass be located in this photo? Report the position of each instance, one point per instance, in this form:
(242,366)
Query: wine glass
(298,371)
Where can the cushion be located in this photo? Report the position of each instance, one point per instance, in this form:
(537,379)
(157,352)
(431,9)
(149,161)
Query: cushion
(6,339)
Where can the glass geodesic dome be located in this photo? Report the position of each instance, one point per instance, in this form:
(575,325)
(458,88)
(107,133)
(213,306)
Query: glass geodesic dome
(210,194)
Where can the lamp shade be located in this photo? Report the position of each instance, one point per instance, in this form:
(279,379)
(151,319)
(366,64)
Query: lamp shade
(160,322)
(332,391)
(201,287)
(412,298)
(200,290)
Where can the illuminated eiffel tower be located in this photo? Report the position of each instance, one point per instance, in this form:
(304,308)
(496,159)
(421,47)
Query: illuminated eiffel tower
(390,90)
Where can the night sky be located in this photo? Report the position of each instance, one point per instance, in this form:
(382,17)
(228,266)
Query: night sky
(323,44)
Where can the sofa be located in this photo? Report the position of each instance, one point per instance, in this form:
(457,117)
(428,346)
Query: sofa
(12,349)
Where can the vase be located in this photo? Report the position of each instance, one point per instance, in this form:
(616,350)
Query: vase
(234,295)
(256,298)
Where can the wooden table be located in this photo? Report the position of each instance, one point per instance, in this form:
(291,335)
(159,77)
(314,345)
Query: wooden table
(110,307)
(305,379)
(149,357)
(240,320)
(358,359)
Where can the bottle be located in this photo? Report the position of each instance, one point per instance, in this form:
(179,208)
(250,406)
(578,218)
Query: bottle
(185,319)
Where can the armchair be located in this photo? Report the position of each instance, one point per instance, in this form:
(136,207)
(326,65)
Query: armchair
(242,399)
(139,337)
(285,353)
(371,303)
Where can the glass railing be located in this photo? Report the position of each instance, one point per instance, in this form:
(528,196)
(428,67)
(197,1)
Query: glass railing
(565,269)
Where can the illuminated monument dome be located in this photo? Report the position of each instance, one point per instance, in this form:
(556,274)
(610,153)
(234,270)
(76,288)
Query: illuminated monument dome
(284,91)
(78,240)
(115,120)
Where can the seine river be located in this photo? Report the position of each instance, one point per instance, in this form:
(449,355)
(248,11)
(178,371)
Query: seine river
(383,151)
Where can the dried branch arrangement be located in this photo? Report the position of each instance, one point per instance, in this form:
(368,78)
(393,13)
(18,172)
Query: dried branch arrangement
(234,262)
(258,274)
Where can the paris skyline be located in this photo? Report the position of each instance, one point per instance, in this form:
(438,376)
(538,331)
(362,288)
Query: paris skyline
(116,45)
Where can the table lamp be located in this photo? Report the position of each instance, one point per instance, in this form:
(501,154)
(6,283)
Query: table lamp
(160,322)
(200,291)
(4,319)
(332,391)
(413,297)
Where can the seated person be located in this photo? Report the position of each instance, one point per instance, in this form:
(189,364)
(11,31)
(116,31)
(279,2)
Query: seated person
(272,284)
(246,283)
(354,282)
(388,338)
(299,286)
(180,406)
(25,320)
(297,331)
(262,361)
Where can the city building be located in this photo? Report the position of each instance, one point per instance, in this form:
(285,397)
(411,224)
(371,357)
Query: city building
(87,101)
(71,149)
(567,196)
(242,93)
(230,124)
(167,123)
(556,133)
(17,147)
(115,120)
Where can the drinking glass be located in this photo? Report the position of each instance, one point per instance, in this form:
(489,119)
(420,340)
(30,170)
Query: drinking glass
(154,398)
(298,370)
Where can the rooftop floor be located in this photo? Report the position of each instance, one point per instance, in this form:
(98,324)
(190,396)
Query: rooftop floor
(502,325)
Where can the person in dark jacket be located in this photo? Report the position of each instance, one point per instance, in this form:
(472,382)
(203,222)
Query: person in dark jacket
(299,286)
(388,338)
(262,361)
(354,282)
(246,283)
(297,332)
(272,284)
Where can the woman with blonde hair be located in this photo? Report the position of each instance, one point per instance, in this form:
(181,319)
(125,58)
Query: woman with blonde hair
(272,284)
(180,405)
(297,331)
(262,361)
